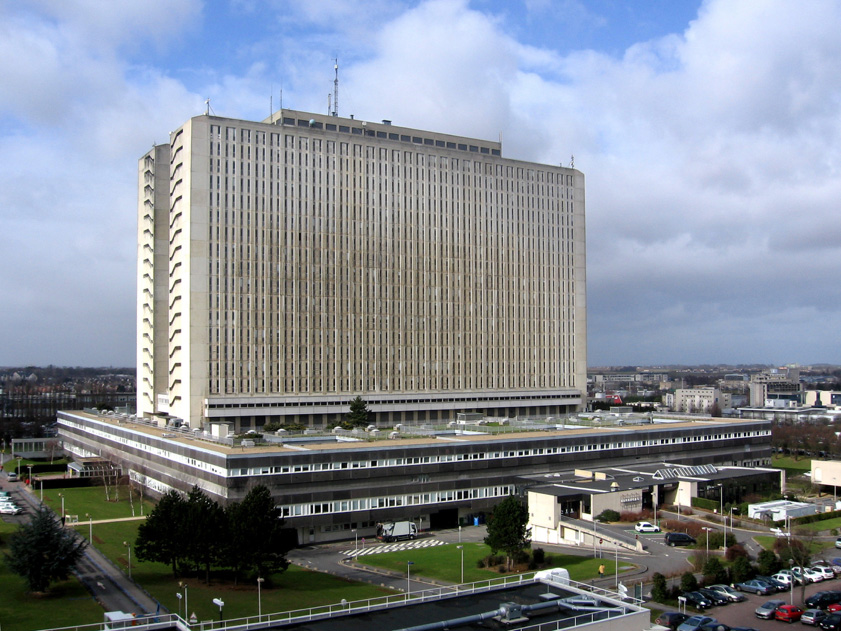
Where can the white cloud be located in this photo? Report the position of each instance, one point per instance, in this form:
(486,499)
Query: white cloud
(711,154)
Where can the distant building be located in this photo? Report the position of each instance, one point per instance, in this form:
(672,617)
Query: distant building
(700,400)
(778,385)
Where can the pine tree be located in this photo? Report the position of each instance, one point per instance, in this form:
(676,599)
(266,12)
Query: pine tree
(358,414)
(507,528)
(43,551)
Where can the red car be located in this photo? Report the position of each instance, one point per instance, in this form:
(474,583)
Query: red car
(834,608)
(788,613)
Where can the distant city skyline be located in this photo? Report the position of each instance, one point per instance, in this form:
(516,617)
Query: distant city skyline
(709,133)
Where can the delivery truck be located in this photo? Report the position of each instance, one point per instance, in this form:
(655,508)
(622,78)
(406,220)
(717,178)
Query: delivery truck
(396,530)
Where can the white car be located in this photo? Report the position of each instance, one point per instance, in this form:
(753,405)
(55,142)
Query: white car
(645,526)
(824,571)
(811,575)
(784,578)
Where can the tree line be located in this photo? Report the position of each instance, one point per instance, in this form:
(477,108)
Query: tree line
(195,535)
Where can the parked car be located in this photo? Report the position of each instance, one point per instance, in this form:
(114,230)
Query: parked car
(825,571)
(833,608)
(766,610)
(798,578)
(645,526)
(755,587)
(728,592)
(823,599)
(694,623)
(785,579)
(831,623)
(679,539)
(813,616)
(777,585)
(838,542)
(812,575)
(697,600)
(714,597)
(672,619)
(835,567)
(788,613)
(715,626)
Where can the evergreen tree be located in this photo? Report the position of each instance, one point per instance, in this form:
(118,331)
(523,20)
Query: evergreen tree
(161,537)
(358,415)
(688,582)
(257,544)
(205,530)
(507,528)
(43,551)
(659,590)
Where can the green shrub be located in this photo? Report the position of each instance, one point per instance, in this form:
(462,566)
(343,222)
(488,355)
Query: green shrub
(688,582)
(608,515)
(538,555)
(659,591)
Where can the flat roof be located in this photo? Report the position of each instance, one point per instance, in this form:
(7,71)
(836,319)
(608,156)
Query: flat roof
(475,434)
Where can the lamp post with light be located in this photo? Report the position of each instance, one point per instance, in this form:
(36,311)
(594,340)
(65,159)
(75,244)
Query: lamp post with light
(259,597)
(61,495)
(186,605)
(179,597)
(90,527)
(409,565)
(220,603)
(462,562)
(355,544)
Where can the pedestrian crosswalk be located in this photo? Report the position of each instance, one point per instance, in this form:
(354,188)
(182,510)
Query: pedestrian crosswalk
(392,547)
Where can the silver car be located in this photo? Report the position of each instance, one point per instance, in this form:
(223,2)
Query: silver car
(729,593)
(766,610)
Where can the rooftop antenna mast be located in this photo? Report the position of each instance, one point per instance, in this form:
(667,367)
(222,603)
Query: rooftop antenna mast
(335,111)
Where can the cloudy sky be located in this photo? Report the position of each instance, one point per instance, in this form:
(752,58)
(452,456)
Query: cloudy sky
(709,134)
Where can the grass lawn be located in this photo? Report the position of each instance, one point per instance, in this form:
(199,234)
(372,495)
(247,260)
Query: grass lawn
(818,526)
(444,563)
(69,603)
(91,500)
(791,465)
(815,547)
(296,588)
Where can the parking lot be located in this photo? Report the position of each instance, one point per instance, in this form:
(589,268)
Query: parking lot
(742,614)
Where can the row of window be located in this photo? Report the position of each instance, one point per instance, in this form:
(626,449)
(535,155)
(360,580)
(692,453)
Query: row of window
(495,455)
(394,501)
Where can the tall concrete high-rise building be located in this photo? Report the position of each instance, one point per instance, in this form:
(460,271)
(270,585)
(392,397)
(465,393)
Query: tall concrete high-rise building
(288,265)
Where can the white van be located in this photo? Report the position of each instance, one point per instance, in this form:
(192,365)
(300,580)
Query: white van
(13,477)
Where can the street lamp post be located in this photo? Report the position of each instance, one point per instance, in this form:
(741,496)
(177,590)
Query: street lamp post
(462,562)
(259,597)
(616,564)
(90,527)
(708,540)
(128,546)
(61,495)
(42,490)
(179,597)
(355,544)
(459,533)
(220,603)
(19,460)
(29,466)
(186,606)
(409,565)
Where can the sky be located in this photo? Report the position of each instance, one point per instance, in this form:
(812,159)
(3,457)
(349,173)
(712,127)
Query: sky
(709,133)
